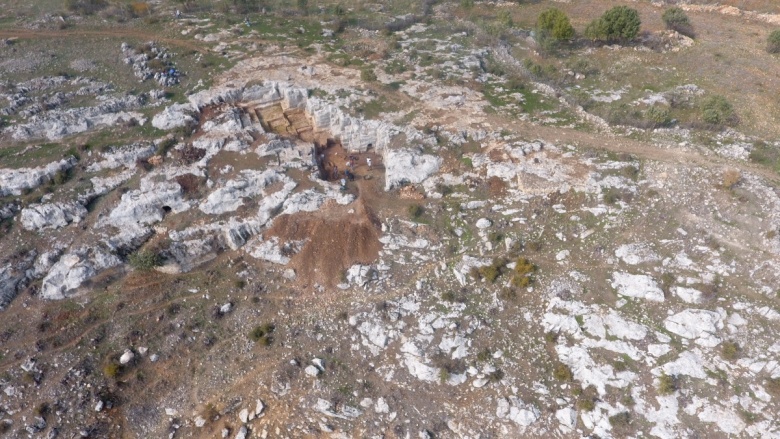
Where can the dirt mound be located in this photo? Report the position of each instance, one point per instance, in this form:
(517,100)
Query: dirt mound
(335,240)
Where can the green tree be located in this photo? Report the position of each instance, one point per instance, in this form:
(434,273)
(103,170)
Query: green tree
(553,23)
(717,111)
(773,42)
(620,23)
(675,19)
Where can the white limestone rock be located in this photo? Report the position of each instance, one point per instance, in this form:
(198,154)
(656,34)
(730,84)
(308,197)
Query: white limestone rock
(39,217)
(73,269)
(638,286)
(14,181)
(175,116)
(696,324)
(405,166)
(147,205)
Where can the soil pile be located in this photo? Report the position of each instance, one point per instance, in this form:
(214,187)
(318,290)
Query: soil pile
(336,236)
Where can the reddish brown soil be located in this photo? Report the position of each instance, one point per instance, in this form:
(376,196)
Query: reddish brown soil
(337,239)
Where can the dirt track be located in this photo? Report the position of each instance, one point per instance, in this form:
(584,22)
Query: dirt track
(76,33)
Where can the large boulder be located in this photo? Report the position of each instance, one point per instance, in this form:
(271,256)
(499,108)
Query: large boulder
(407,166)
(14,181)
(73,269)
(52,215)
(175,116)
(148,204)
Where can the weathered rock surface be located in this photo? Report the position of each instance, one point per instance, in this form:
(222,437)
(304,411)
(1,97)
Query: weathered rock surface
(73,269)
(52,215)
(408,166)
(14,181)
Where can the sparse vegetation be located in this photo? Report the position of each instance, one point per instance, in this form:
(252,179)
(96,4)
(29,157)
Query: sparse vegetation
(730,178)
(144,260)
(562,372)
(667,384)
(620,421)
(718,112)
(262,334)
(773,42)
(730,350)
(676,19)
(523,273)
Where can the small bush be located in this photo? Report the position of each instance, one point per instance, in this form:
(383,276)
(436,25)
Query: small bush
(416,211)
(675,19)
(140,9)
(730,350)
(112,370)
(586,404)
(620,23)
(562,372)
(85,7)
(449,296)
(555,25)
(491,272)
(730,178)
(620,420)
(368,75)
(60,177)
(773,42)
(262,334)
(717,111)
(523,273)
(144,260)
(667,384)
(190,185)
(773,386)
(484,355)
(659,116)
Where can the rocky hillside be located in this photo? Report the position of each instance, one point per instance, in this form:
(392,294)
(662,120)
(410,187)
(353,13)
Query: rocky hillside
(317,228)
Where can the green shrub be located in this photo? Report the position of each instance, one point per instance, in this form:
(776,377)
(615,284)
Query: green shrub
(562,372)
(490,272)
(717,111)
(85,7)
(773,386)
(144,260)
(667,384)
(416,211)
(60,177)
(586,404)
(262,334)
(620,420)
(730,350)
(620,23)
(112,370)
(554,24)
(523,273)
(773,42)
(659,116)
(368,75)
(675,19)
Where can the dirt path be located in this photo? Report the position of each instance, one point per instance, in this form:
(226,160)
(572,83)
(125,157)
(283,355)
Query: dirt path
(79,33)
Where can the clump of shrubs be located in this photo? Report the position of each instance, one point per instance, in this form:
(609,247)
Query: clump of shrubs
(489,272)
(675,19)
(144,260)
(730,350)
(717,112)
(773,42)
(620,23)
(416,211)
(523,273)
(263,334)
(620,420)
(562,372)
(667,384)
